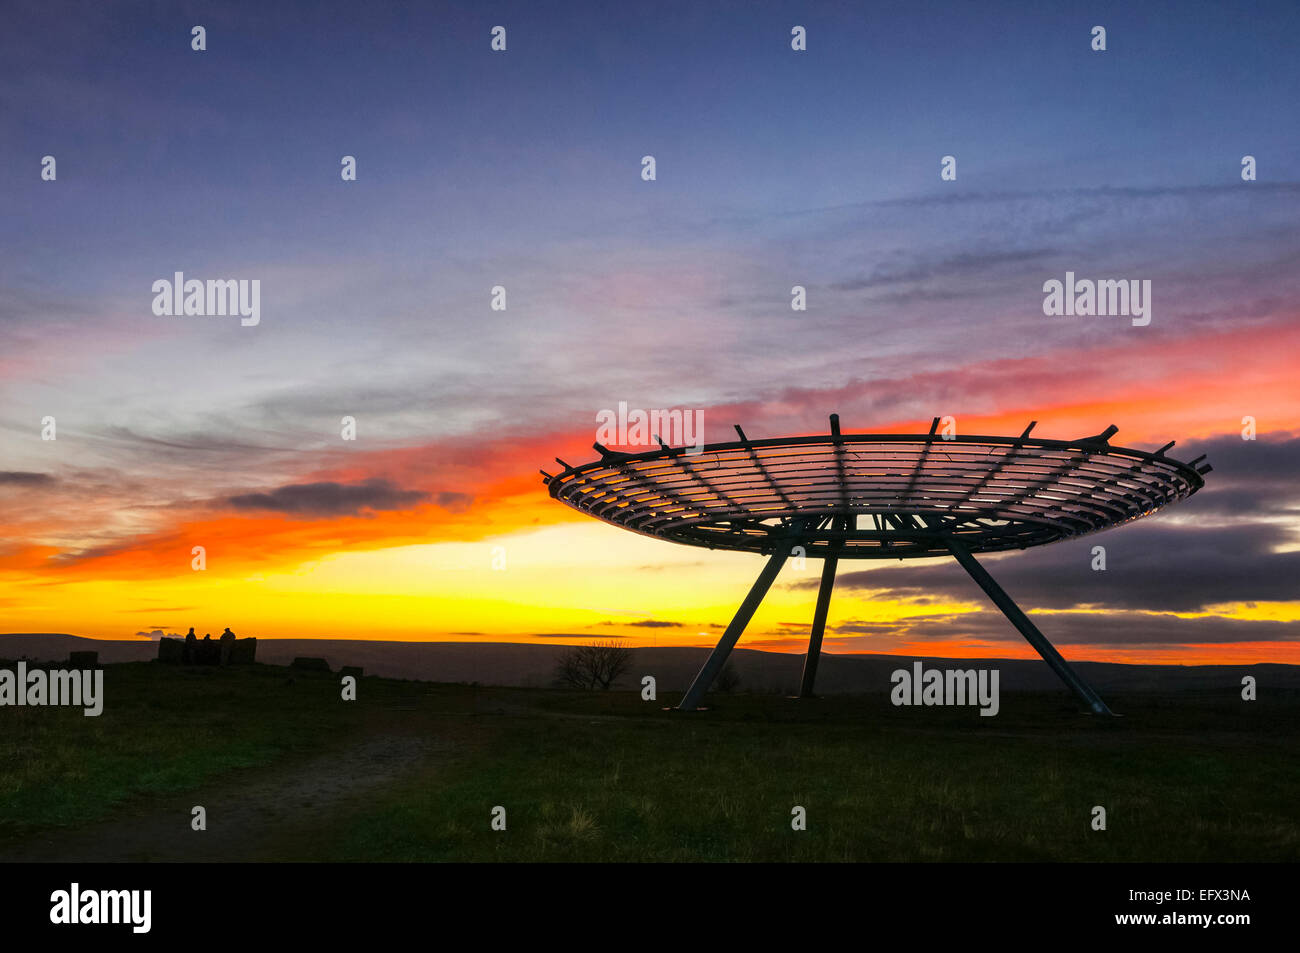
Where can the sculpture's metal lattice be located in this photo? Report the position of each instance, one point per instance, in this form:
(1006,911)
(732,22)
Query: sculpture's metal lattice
(873,496)
(877,496)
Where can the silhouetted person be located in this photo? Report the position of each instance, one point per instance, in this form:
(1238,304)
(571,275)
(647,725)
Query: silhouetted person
(190,644)
(227,645)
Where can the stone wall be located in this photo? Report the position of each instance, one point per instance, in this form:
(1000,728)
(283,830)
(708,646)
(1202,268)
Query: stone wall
(207,652)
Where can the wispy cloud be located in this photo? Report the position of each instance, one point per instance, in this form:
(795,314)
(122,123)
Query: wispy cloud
(330,499)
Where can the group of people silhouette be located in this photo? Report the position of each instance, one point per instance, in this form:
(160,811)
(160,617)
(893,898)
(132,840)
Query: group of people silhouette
(191,637)
(192,653)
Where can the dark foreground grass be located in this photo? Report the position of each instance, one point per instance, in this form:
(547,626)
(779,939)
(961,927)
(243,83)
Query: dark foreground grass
(609,777)
(1181,778)
(162,730)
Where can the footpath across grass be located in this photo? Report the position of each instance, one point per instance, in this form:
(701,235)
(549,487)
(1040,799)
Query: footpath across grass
(163,730)
(606,776)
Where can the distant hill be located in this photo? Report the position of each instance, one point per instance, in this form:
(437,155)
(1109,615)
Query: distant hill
(515,664)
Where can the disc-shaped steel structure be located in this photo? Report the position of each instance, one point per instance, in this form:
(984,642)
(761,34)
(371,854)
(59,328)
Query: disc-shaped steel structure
(877,496)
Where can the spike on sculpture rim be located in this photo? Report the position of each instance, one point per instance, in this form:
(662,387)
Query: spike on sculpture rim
(877,496)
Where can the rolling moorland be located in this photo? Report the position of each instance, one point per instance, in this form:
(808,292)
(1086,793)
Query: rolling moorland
(412,770)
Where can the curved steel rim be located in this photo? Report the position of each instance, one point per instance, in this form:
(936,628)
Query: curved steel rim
(832,496)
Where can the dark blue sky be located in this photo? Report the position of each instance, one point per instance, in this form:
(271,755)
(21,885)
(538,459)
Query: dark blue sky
(240,144)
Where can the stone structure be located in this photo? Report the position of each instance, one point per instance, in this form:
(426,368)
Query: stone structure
(224,651)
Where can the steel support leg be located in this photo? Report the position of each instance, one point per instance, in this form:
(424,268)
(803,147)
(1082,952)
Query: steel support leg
(1028,629)
(704,681)
(818,627)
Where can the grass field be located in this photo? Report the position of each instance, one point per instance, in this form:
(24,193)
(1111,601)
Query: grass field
(162,731)
(411,772)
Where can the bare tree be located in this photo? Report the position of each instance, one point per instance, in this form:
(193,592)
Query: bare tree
(570,672)
(594,665)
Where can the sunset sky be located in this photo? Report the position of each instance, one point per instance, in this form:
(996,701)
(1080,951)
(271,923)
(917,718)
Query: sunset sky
(522,169)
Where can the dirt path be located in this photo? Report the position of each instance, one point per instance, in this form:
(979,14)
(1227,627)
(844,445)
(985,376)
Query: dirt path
(279,812)
(289,810)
